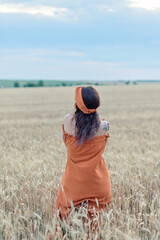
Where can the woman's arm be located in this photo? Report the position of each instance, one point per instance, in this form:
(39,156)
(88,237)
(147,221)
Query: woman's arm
(105,126)
(66,117)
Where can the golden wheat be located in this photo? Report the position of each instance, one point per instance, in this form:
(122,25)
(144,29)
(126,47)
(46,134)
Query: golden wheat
(33,158)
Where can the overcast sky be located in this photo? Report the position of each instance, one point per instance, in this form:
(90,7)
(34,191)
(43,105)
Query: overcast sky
(80,39)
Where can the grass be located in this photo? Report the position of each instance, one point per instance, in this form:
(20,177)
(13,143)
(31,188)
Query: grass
(33,158)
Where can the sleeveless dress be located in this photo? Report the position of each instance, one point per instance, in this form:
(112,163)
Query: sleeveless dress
(86,177)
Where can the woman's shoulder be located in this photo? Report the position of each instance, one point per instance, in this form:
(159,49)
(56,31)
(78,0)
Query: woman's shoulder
(68,116)
(68,119)
(103,128)
(69,125)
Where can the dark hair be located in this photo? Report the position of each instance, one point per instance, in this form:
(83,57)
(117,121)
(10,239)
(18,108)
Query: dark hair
(86,125)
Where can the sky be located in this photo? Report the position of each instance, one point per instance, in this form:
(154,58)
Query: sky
(80,39)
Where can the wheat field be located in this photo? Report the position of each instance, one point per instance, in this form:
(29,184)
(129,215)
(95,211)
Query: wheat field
(33,159)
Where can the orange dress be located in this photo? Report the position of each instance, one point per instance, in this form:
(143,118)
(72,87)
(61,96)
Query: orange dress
(86,176)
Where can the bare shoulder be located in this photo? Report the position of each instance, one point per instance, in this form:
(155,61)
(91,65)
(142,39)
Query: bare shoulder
(103,128)
(69,123)
(105,125)
(68,117)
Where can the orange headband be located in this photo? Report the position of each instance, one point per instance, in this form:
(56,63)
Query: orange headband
(80,103)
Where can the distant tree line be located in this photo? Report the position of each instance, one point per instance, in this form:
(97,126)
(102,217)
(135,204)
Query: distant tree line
(40,83)
(128,82)
(30,84)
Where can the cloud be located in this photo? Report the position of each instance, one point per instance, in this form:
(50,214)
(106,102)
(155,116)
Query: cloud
(155,41)
(22,68)
(39,54)
(56,64)
(105,8)
(149,5)
(48,11)
(76,54)
(101,64)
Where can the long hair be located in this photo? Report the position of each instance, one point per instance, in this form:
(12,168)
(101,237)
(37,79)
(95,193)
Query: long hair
(86,125)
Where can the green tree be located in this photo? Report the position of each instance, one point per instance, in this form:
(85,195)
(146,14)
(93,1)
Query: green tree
(127,82)
(40,83)
(16,84)
(30,84)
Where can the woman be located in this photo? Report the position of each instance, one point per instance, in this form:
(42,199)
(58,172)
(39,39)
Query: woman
(86,178)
